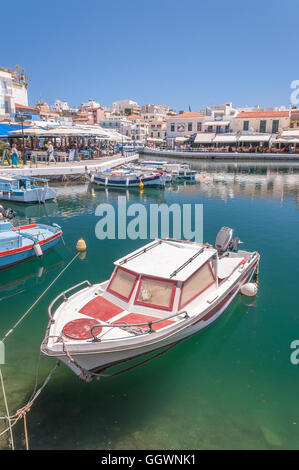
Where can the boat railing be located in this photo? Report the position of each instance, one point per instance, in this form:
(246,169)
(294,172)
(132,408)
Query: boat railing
(135,325)
(64,296)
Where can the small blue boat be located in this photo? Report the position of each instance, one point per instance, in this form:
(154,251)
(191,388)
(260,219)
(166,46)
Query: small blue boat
(18,244)
(24,189)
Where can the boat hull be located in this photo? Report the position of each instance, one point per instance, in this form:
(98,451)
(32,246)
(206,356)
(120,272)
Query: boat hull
(22,254)
(127,182)
(35,195)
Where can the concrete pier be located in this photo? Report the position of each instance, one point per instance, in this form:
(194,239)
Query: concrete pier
(69,170)
(220,155)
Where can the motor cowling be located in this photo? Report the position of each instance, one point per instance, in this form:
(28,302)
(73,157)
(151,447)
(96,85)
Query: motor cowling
(225,241)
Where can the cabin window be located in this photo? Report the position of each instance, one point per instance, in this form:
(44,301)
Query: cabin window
(122,283)
(196,284)
(155,293)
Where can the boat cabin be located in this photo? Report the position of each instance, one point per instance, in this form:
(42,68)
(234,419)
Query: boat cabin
(153,288)
(8,183)
(19,183)
(164,276)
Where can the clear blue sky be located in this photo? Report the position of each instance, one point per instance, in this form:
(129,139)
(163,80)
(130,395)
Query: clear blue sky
(159,51)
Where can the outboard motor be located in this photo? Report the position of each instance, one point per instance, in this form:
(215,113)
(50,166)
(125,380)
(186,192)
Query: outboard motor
(225,241)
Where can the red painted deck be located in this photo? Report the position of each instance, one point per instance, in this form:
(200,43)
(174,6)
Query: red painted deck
(80,328)
(101,309)
(134,318)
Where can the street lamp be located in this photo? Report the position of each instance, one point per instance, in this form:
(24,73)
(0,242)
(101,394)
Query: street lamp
(21,117)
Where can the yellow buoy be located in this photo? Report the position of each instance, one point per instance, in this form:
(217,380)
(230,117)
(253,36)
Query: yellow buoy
(141,185)
(81,245)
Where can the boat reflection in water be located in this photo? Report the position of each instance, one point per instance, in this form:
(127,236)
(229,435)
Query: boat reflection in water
(15,280)
(34,211)
(226,181)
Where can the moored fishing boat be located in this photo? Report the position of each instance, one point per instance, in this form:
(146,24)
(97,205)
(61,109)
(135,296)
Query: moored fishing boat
(157,295)
(175,170)
(125,178)
(167,176)
(18,244)
(23,189)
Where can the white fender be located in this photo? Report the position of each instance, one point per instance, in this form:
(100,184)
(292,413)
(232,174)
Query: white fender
(37,250)
(249,289)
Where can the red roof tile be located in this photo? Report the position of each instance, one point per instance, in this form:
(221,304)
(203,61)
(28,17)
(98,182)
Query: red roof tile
(187,115)
(263,114)
(21,106)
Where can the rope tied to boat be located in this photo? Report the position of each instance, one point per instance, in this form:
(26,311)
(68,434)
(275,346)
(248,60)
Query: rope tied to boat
(9,332)
(22,412)
(88,375)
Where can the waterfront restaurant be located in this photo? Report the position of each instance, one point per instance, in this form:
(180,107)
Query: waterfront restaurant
(204,140)
(89,140)
(253,141)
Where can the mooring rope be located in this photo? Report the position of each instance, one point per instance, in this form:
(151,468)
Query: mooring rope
(21,412)
(7,411)
(86,374)
(37,300)
(26,433)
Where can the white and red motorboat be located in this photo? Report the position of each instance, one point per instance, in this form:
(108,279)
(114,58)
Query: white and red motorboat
(157,295)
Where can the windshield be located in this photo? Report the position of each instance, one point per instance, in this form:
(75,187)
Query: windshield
(155,293)
(196,284)
(122,283)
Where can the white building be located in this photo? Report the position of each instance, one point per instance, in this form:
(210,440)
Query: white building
(157,130)
(261,121)
(60,106)
(13,90)
(90,104)
(219,118)
(117,123)
(139,131)
(125,107)
(154,112)
(181,126)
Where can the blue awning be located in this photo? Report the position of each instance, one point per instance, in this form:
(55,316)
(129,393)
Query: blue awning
(6,128)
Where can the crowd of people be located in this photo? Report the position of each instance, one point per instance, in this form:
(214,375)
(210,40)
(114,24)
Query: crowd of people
(13,155)
(10,154)
(233,149)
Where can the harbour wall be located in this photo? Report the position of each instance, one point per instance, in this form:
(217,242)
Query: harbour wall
(220,155)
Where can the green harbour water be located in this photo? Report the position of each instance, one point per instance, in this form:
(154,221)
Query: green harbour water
(232,386)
